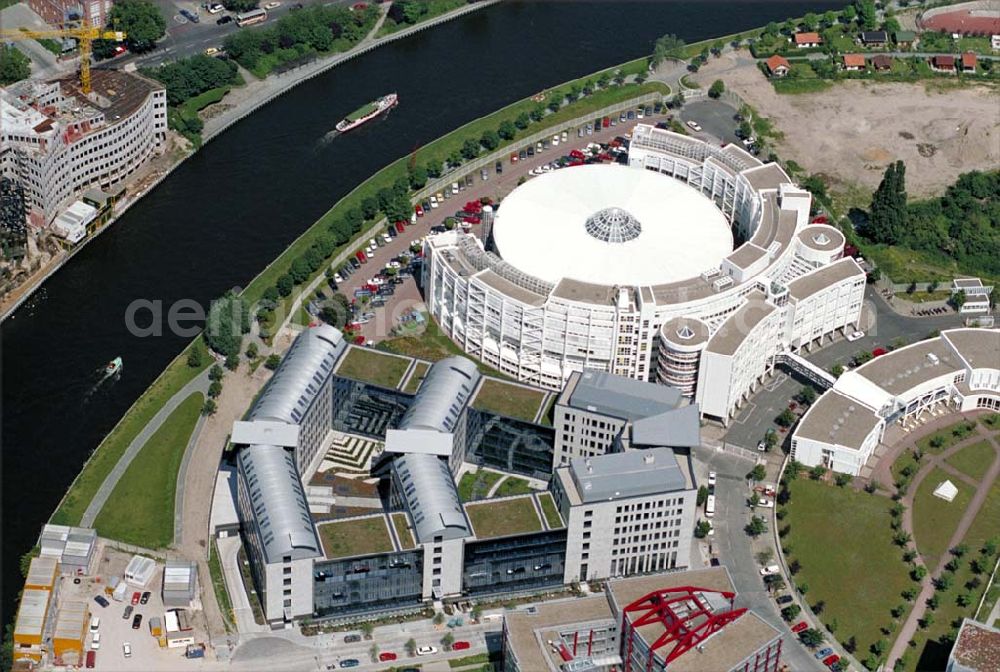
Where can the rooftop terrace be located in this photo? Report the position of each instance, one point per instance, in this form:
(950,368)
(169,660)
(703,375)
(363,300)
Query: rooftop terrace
(509,399)
(355,536)
(503,518)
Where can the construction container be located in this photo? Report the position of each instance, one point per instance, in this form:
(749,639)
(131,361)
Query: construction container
(30,624)
(155,626)
(71,628)
(42,573)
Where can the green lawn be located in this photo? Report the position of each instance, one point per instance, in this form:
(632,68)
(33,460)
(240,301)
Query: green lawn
(363,536)
(503,518)
(416,378)
(552,516)
(403,531)
(473,486)
(934,519)
(432,345)
(140,509)
(512,485)
(513,401)
(102,461)
(974,460)
(931,653)
(373,367)
(843,540)
(945,433)
(991,420)
(434,8)
(801,79)
(219,585)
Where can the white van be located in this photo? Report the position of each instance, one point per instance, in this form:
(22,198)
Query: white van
(95,624)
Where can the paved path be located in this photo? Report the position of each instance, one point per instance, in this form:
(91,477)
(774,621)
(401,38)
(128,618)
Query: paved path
(198,384)
(908,629)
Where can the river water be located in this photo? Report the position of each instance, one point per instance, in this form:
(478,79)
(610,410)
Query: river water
(232,208)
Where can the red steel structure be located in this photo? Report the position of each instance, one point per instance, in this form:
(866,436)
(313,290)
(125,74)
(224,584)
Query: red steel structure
(687,620)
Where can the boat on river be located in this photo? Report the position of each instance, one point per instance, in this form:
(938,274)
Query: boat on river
(366,113)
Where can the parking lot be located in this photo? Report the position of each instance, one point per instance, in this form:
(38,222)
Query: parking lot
(497,185)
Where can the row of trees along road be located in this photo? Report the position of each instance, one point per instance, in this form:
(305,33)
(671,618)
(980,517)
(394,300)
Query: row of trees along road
(189,77)
(142,22)
(14,66)
(963,224)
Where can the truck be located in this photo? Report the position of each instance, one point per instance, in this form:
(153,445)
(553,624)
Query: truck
(113,582)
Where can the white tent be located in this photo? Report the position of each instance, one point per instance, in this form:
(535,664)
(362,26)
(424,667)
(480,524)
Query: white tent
(946,491)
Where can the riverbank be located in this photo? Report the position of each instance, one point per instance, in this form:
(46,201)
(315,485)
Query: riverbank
(255,94)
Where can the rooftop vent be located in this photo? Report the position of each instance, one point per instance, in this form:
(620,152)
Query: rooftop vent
(648,458)
(613,225)
(685,333)
(821,239)
(932,358)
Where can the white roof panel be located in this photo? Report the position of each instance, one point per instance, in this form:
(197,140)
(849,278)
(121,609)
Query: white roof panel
(265,431)
(542,227)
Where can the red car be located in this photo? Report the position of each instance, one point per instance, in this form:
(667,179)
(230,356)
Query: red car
(820,219)
(361,256)
(460,646)
(878,352)
(386,656)
(471,220)
(135,598)
(359,340)
(400,227)
(419,210)
(91,659)
(830,660)
(800,626)
(577,154)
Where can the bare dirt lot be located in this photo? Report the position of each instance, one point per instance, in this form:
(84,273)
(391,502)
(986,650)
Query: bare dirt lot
(850,132)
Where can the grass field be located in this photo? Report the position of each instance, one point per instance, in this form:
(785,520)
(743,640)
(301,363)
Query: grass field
(512,485)
(945,433)
(416,378)
(102,461)
(503,518)
(432,345)
(843,541)
(974,460)
(552,516)
(363,536)
(513,401)
(140,509)
(935,520)
(373,367)
(473,486)
(403,531)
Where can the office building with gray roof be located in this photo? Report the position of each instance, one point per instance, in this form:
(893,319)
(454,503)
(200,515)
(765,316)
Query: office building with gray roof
(626,513)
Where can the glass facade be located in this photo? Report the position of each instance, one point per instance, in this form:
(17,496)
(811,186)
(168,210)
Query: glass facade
(510,445)
(365,584)
(510,564)
(366,410)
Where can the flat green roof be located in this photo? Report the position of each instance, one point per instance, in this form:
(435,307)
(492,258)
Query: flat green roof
(509,399)
(502,518)
(552,516)
(416,378)
(355,536)
(402,525)
(373,366)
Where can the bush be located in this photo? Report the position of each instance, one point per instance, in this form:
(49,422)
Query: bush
(717,88)
(188,77)
(228,320)
(195,359)
(272,362)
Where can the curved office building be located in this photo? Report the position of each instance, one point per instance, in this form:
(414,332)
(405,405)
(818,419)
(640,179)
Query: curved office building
(590,265)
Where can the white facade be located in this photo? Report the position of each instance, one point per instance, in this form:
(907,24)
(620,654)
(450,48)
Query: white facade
(541,329)
(956,371)
(57,142)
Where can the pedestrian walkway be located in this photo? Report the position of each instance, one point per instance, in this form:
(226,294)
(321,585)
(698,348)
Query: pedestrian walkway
(909,628)
(198,384)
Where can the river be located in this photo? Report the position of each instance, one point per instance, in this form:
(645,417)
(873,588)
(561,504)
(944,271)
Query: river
(235,205)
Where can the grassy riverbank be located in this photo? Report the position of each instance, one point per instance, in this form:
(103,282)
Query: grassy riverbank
(106,456)
(431,10)
(140,509)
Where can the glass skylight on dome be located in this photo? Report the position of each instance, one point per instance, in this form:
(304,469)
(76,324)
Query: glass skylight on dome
(613,225)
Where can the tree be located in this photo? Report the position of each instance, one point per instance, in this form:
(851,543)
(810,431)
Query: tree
(14,66)
(817,472)
(477,613)
(803,588)
(141,21)
(792,470)
(774,582)
(812,637)
(717,89)
(702,529)
(470,148)
(837,370)
(668,46)
(641,77)
(507,130)
(819,607)
(989,548)
(195,358)
(867,16)
(209,407)
(843,479)
(232,362)
(285,284)
(851,645)
(677,102)
(887,218)
(944,582)
(438,618)
(927,621)
(918,573)
(764,557)
(434,167)
(538,113)
(933,602)
(806,395)
(215,389)
(411,646)
(239,5)
(252,351)
(272,362)
(958,299)
(902,538)
(848,14)
(785,419)
(228,320)
(619,77)
(367,629)
(758,473)
(702,496)
(490,140)
(554,105)
(216,373)
(418,177)
(447,641)
(756,527)
(791,612)
(754,500)
(964,600)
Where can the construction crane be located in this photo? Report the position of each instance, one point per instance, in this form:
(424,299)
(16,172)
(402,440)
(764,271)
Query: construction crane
(84,35)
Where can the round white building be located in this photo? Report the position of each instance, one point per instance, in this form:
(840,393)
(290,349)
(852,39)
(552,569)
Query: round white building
(600,267)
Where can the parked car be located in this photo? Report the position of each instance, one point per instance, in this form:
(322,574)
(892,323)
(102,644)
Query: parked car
(823,653)
(136,621)
(498,167)
(352,639)
(484,175)
(350,662)
(856,335)
(215,8)
(91,659)
(830,661)
(711,479)
(272,5)
(386,656)
(127,614)
(136,596)
(460,646)
(127,650)
(769,570)
(100,600)
(190,16)
(221,21)
(95,624)
(693,125)
(95,642)
(145,597)
(800,626)
(426,650)
(785,599)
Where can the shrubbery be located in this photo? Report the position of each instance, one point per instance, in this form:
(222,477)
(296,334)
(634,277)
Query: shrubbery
(189,77)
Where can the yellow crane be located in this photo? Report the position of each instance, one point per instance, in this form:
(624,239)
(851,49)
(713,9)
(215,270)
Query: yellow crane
(84,35)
